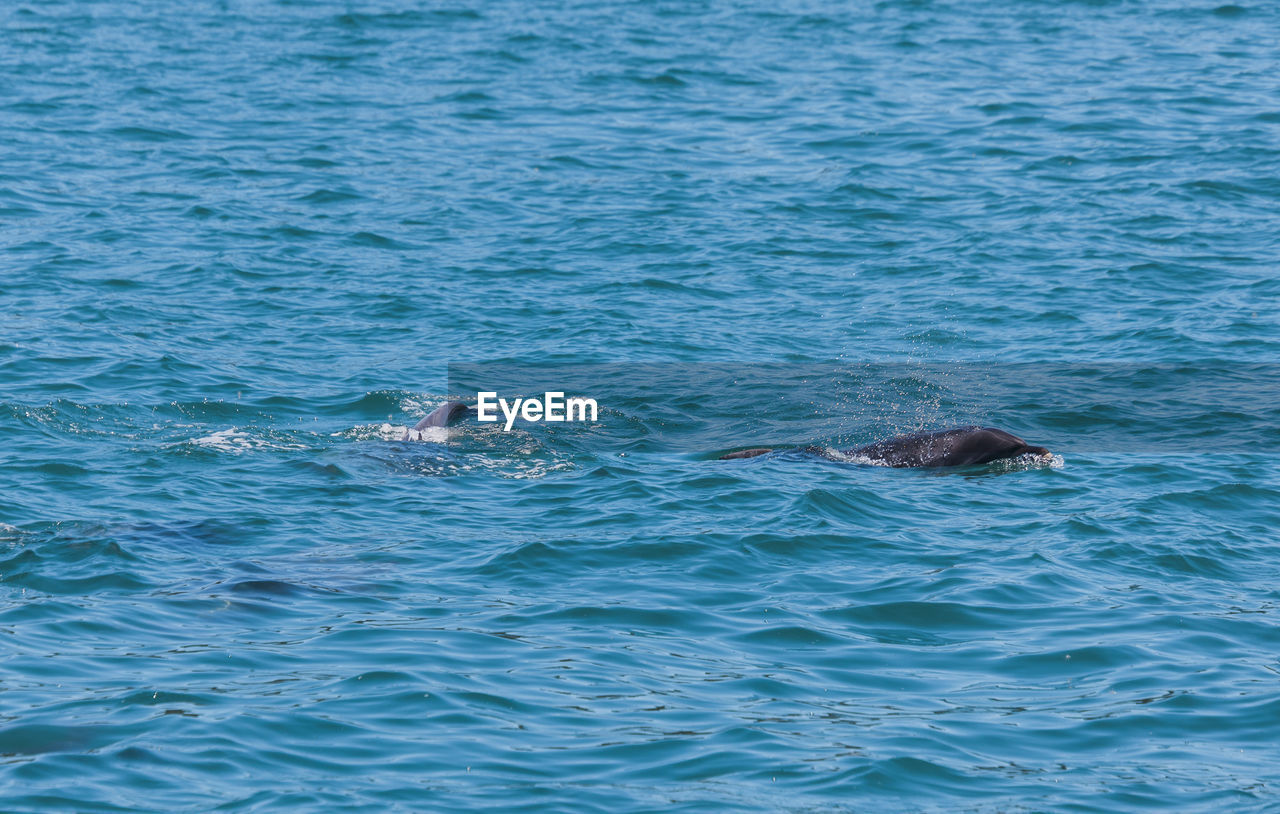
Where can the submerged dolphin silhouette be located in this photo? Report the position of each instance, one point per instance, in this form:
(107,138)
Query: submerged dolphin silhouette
(962,446)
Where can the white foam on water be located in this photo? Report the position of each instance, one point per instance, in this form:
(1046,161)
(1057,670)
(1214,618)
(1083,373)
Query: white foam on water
(393,432)
(1029,461)
(852,457)
(435,435)
(237,441)
(229,440)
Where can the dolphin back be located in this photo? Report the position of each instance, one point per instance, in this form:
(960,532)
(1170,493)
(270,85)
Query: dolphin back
(962,446)
(439,417)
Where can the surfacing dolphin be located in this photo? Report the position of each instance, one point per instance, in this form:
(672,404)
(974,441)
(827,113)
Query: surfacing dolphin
(962,446)
(439,417)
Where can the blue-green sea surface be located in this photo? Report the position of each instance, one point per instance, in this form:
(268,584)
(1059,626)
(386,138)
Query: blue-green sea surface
(243,240)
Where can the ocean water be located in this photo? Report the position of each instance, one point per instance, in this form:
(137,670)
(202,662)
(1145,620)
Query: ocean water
(247,243)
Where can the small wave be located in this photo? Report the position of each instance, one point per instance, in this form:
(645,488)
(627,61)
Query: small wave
(419,405)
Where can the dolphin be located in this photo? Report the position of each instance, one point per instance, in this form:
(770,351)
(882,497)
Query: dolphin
(962,446)
(439,417)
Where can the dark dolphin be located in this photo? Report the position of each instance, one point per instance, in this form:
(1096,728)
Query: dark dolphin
(962,446)
(439,417)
